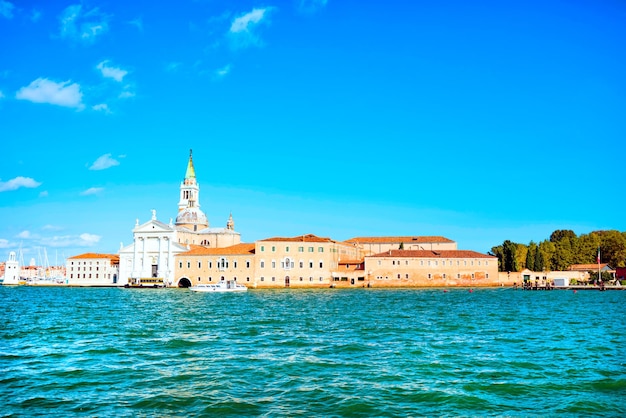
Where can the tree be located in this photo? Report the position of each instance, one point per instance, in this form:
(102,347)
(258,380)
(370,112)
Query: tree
(538,262)
(547,249)
(561,234)
(498,252)
(530,256)
(521,252)
(613,248)
(509,250)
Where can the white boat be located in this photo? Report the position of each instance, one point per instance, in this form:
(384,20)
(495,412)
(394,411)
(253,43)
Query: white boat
(223,286)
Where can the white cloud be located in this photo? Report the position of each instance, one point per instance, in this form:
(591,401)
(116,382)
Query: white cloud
(83,25)
(4,243)
(222,72)
(103,162)
(51,228)
(89,239)
(35,15)
(43,194)
(172,67)
(43,90)
(102,107)
(6,9)
(126,94)
(18,182)
(24,235)
(243,28)
(82,240)
(138,23)
(311,6)
(92,191)
(107,71)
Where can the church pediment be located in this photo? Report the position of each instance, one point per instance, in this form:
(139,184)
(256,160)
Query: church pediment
(153,226)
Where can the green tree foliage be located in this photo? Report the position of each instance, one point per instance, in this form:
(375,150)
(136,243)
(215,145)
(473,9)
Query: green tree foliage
(539,263)
(612,248)
(530,256)
(520,256)
(561,250)
(561,234)
(510,256)
(498,252)
(547,249)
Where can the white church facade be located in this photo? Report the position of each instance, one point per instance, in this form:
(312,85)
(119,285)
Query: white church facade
(149,260)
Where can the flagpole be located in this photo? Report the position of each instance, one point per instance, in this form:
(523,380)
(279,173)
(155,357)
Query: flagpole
(599,276)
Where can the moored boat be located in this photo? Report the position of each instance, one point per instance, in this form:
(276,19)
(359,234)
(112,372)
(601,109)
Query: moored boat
(223,286)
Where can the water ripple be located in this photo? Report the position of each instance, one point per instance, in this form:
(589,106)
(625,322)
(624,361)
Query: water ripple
(366,352)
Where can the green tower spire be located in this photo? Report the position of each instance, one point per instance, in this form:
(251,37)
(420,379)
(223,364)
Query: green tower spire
(191,172)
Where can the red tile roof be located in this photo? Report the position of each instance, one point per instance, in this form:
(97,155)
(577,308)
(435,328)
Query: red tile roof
(300,238)
(238,249)
(586,267)
(112,257)
(433,254)
(403,239)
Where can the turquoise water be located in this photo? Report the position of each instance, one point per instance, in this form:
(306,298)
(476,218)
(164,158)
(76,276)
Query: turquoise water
(366,352)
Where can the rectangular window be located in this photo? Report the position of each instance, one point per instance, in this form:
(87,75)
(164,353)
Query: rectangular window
(398,275)
(444,275)
(262,248)
(320,249)
(407,275)
(321,264)
(310,249)
(310,264)
(429,276)
(188,264)
(247,264)
(262,278)
(262,264)
(273,249)
(180,264)
(199,264)
(300,249)
(234,264)
(286,249)
(458,275)
(273,264)
(210,264)
(486,275)
(301,264)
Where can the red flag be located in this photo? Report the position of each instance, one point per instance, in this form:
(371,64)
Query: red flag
(598,255)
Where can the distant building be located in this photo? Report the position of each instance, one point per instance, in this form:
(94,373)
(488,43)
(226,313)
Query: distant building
(155,244)
(92,269)
(377,245)
(417,268)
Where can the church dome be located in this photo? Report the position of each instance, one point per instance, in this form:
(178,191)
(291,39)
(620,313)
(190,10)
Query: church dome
(192,216)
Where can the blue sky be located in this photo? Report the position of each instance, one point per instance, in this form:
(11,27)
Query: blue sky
(479,121)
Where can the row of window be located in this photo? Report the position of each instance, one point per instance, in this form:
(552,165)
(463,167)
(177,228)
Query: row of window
(223,264)
(435,262)
(288,264)
(321,279)
(88,276)
(84,268)
(430,276)
(300,249)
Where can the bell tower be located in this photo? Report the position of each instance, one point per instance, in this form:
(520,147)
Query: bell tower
(189,213)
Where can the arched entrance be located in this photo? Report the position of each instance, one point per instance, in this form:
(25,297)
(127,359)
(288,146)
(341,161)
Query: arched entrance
(286,281)
(184,282)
